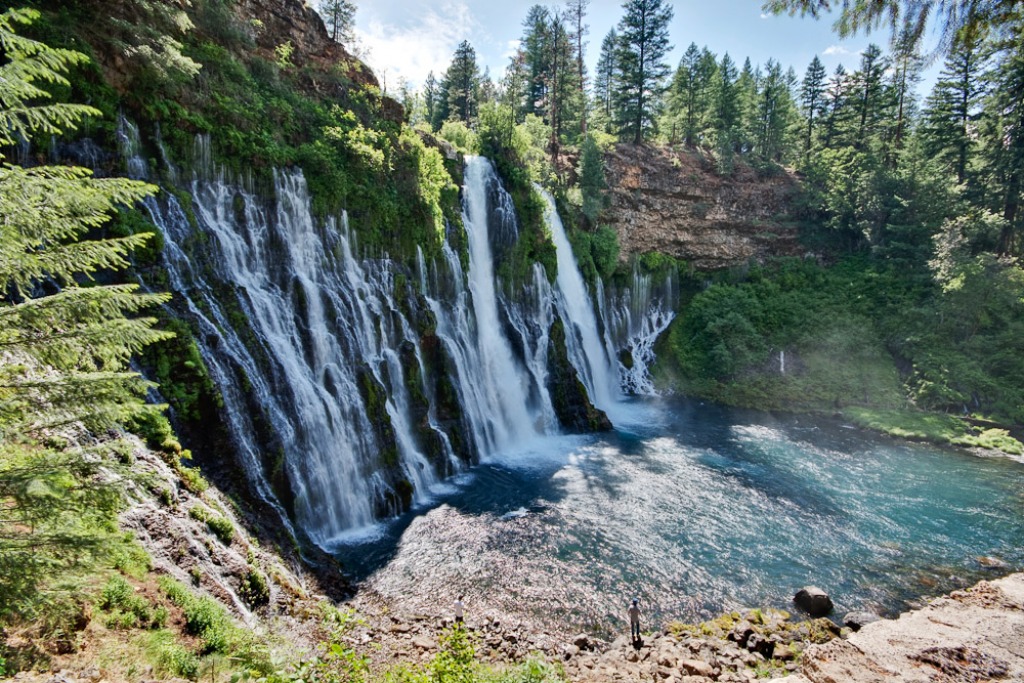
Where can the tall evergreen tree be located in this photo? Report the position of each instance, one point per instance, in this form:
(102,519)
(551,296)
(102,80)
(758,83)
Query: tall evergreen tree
(774,113)
(515,85)
(906,74)
(605,75)
(536,56)
(462,83)
(575,16)
(745,92)
(726,117)
(812,101)
(66,354)
(840,110)
(340,19)
(691,91)
(561,74)
(1005,132)
(643,44)
(430,96)
(951,111)
(869,84)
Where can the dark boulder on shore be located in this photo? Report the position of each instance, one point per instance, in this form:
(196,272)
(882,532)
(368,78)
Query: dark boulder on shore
(813,600)
(857,620)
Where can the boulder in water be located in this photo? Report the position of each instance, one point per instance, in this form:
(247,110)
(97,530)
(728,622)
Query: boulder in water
(813,600)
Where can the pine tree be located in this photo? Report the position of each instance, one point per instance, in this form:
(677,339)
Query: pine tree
(840,110)
(745,92)
(906,74)
(643,44)
(869,85)
(1004,134)
(605,75)
(691,91)
(951,111)
(726,116)
(576,12)
(813,101)
(340,19)
(514,85)
(430,93)
(775,112)
(66,354)
(536,52)
(462,82)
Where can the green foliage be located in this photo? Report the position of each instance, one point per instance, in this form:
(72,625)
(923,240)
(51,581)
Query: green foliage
(130,558)
(455,660)
(591,179)
(221,527)
(460,135)
(205,618)
(728,342)
(254,588)
(127,610)
(643,42)
(284,53)
(170,657)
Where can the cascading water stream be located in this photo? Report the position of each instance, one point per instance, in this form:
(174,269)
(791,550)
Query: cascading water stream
(587,352)
(633,318)
(494,387)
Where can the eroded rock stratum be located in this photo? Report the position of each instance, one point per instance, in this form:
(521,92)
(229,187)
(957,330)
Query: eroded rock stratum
(676,203)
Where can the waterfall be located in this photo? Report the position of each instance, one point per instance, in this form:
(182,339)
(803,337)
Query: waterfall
(587,351)
(295,330)
(633,318)
(352,386)
(504,402)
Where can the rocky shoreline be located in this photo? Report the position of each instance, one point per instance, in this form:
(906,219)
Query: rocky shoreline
(976,634)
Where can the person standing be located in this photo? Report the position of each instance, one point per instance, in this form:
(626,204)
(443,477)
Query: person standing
(459,610)
(634,620)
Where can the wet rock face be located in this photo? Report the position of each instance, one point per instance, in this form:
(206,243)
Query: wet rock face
(568,395)
(677,204)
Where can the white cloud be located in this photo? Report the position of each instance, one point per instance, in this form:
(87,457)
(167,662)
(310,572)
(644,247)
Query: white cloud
(511,47)
(765,15)
(424,43)
(836,50)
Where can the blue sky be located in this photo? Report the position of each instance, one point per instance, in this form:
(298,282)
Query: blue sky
(407,39)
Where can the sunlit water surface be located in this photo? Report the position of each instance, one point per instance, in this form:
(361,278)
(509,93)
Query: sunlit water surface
(699,509)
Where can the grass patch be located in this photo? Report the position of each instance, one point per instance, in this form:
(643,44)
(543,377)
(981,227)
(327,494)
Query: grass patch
(205,618)
(221,527)
(125,609)
(934,428)
(171,658)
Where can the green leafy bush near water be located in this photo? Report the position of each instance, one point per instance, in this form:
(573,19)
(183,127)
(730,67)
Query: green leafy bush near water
(858,335)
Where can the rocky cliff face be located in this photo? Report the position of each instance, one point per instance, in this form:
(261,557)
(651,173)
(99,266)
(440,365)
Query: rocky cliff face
(276,22)
(676,203)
